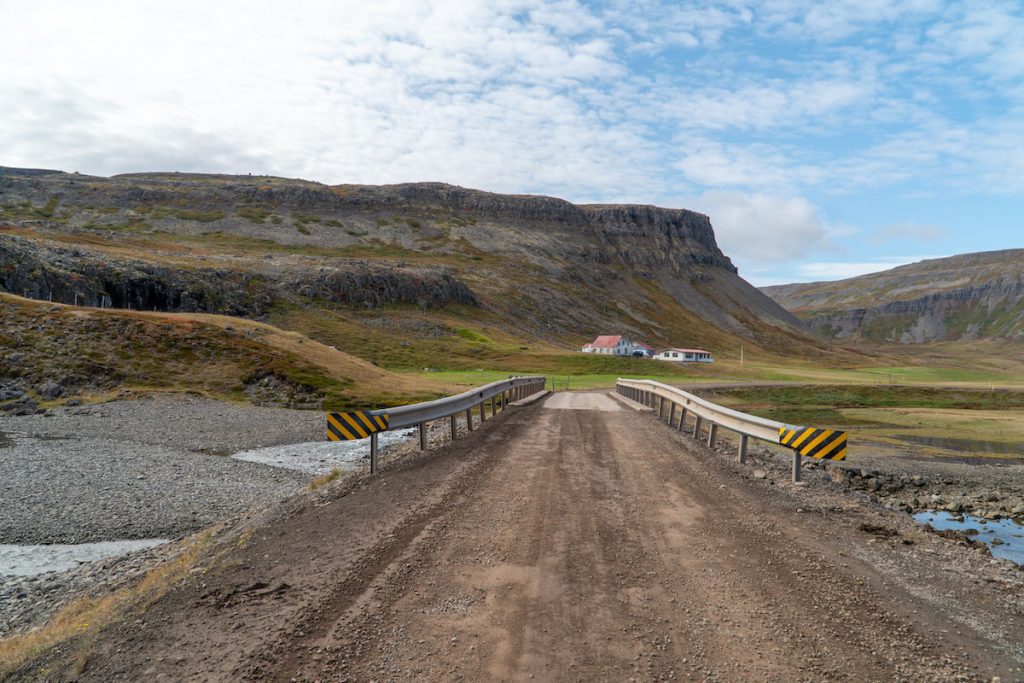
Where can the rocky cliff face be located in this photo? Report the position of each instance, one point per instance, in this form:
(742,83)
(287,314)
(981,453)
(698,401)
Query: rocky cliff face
(973,296)
(542,266)
(91,278)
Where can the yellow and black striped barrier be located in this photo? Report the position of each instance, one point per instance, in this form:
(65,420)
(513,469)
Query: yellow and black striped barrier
(822,444)
(355,425)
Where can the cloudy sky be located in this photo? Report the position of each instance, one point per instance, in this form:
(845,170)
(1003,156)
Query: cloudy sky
(824,139)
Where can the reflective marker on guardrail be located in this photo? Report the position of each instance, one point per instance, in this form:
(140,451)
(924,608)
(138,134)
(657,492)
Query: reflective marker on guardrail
(356,425)
(367,423)
(821,444)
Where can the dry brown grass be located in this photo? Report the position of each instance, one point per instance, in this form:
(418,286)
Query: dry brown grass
(87,616)
(324,479)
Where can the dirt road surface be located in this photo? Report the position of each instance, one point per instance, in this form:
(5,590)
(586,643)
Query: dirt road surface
(567,540)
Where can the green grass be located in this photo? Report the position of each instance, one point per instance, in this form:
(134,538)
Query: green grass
(826,404)
(472,378)
(472,335)
(24,210)
(254,214)
(199,215)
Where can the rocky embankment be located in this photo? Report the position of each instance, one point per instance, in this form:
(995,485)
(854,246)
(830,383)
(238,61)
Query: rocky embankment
(990,492)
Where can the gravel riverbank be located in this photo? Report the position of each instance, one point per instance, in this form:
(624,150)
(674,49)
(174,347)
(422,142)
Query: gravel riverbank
(138,469)
(149,468)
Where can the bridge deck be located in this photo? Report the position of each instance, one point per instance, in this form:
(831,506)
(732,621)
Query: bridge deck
(555,543)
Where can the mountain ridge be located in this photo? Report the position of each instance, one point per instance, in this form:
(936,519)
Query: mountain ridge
(965,297)
(531,267)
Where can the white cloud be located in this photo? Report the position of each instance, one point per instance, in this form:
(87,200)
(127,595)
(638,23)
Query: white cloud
(763,228)
(840,270)
(757,104)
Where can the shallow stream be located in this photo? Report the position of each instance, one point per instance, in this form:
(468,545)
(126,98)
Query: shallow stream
(976,446)
(1004,536)
(29,560)
(320,457)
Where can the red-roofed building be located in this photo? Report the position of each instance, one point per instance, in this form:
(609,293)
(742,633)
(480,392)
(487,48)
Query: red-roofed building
(610,344)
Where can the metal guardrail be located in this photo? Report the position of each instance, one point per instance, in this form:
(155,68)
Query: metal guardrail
(656,395)
(497,394)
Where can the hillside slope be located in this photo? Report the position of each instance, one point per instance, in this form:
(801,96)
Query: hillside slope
(53,352)
(382,270)
(966,297)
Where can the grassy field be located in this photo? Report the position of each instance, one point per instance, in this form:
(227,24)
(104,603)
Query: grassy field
(957,420)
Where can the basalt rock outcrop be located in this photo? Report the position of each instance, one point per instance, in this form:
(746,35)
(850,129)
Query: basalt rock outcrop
(87,278)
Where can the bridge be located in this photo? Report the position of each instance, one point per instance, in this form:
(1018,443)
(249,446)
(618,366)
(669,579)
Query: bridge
(570,537)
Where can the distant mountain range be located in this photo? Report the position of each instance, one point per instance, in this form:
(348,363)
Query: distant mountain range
(971,296)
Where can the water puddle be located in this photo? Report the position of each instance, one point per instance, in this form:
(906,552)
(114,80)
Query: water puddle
(1004,536)
(320,457)
(964,445)
(29,560)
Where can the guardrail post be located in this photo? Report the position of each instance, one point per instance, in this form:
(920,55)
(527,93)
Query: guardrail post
(469,419)
(373,453)
(796,467)
(423,436)
(682,417)
(661,407)
(696,427)
(671,412)
(712,434)
(743,448)
(483,414)
(455,427)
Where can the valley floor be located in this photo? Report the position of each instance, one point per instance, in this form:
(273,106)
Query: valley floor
(574,539)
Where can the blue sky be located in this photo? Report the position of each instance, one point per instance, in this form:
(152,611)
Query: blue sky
(824,139)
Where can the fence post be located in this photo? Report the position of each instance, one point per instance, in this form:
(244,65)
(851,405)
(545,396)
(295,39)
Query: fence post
(373,453)
(423,436)
(743,448)
(712,433)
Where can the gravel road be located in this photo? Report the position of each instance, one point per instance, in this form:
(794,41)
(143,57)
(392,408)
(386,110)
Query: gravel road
(580,544)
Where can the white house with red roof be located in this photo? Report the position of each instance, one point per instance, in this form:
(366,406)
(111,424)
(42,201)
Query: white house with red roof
(611,345)
(685,356)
